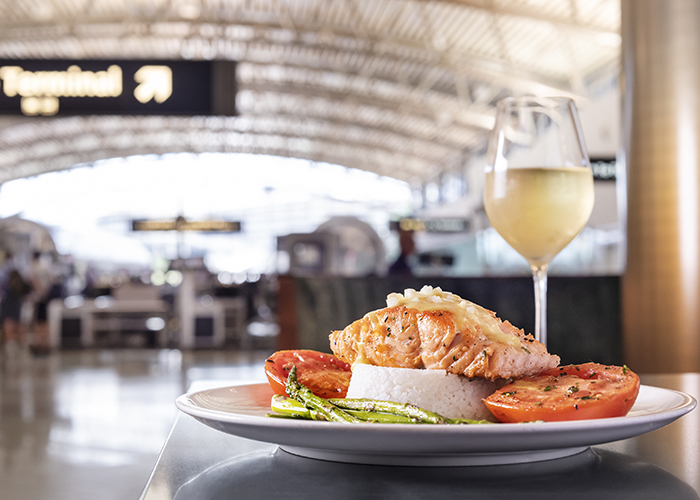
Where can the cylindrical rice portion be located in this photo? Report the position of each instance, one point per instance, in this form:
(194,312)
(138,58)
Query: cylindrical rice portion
(450,395)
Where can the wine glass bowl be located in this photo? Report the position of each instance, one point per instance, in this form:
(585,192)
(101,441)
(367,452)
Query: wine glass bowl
(538,189)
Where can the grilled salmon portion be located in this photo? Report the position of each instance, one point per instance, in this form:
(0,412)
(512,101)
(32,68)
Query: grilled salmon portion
(448,334)
(388,337)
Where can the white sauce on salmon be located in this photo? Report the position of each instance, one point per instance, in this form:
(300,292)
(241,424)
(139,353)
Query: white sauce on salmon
(466,314)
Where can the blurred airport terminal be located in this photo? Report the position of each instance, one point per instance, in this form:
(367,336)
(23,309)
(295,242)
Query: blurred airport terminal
(319,132)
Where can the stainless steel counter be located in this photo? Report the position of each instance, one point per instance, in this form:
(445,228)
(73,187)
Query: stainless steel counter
(198,462)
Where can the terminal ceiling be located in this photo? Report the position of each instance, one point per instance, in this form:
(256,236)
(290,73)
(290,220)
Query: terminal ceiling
(403,88)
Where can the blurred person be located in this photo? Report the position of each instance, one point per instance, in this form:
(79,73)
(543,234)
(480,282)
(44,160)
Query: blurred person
(402,265)
(13,291)
(39,297)
(90,290)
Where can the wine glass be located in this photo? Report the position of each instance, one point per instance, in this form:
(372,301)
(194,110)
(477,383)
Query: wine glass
(538,191)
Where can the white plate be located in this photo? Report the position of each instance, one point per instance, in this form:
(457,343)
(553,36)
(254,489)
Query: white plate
(240,410)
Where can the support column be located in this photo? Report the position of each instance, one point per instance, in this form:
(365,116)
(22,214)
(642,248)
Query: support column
(661,142)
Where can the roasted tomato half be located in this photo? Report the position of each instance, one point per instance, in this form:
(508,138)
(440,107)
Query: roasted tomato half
(325,375)
(572,392)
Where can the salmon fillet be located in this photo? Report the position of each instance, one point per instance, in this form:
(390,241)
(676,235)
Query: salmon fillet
(459,340)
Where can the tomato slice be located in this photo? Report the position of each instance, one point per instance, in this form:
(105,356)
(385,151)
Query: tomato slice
(572,392)
(325,375)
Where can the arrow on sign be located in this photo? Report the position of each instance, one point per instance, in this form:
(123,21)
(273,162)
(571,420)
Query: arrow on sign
(155,82)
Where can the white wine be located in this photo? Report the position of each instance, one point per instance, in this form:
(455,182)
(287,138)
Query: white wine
(538,211)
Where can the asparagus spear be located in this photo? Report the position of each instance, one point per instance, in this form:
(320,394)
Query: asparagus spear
(381,418)
(467,421)
(312,402)
(407,410)
(291,408)
(290,416)
(403,409)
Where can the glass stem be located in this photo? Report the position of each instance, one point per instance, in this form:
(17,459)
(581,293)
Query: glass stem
(539,276)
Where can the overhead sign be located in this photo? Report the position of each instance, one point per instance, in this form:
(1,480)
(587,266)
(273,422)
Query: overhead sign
(119,87)
(434,225)
(604,169)
(181,224)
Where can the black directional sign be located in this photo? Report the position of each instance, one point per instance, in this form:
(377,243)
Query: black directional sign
(118,87)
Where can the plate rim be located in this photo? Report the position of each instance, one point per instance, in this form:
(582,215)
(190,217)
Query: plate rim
(436,445)
(688,403)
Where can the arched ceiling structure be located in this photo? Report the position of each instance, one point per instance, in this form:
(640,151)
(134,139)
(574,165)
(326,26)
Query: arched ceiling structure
(404,88)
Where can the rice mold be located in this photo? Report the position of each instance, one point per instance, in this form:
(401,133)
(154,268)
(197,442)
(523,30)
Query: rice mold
(450,395)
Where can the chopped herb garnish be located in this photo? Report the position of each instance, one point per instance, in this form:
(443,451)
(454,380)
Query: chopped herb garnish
(587,397)
(525,349)
(510,393)
(625,369)
(548,388)
(573,389)
(454,358)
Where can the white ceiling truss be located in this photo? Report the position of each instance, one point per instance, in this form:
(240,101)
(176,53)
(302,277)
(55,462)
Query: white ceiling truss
(404,88)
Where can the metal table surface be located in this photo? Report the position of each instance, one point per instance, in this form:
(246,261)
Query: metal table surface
(198,462)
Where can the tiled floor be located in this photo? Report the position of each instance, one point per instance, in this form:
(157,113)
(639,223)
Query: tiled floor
(89,424)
